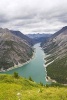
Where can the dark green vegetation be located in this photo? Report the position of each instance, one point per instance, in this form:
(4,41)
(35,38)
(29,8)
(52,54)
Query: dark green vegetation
(30,79)
(56,48)
(58,70)
(12,88)
(15,75)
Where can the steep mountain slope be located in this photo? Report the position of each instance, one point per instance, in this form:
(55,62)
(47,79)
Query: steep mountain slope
(13,50)
(22,36)
(56,46)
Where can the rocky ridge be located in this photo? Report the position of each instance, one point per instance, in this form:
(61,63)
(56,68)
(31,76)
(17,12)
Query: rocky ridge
(13,50)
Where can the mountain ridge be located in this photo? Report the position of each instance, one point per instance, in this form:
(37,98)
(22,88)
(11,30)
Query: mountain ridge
(60,31)
(56,48)
(13,50)
(22,36)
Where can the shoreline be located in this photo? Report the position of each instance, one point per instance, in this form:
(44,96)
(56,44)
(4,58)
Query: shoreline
(19,64)
(47,55)
(45,65)
(49,63)
(48,79)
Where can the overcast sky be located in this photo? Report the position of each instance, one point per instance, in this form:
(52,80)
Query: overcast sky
(32,16)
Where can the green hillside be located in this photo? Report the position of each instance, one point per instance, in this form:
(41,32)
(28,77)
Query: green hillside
(58,70)
(18,88)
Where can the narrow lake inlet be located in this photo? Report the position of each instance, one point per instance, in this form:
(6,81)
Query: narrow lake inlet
(35,68)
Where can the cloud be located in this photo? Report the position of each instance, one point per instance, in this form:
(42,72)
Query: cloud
(33,15)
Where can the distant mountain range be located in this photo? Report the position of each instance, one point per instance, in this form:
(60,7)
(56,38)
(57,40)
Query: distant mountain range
(39,37)
(56,47)
(15,48)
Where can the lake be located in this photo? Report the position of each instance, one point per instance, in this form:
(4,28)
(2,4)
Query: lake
(35,68)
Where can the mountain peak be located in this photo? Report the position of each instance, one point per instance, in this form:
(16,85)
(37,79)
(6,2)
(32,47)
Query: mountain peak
(65,27)
(4,30)
(59,32)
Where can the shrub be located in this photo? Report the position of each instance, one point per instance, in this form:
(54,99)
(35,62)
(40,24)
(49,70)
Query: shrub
(30,79)
(16,75)
(41,83)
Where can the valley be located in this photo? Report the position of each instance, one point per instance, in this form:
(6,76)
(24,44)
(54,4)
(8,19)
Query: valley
(16,50)
(33,49)
(42,71)
(34,68)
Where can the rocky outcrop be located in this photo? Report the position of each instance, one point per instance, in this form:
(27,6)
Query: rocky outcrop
(13,50)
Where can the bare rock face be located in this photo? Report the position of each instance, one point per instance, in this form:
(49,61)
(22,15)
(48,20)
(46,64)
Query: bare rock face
(22,36)
(57,44)
(13,49)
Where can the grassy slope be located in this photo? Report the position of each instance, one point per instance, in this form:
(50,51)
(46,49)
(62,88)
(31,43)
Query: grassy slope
(58,70)
(23,89)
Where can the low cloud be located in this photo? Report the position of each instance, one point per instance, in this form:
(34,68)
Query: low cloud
(29,16)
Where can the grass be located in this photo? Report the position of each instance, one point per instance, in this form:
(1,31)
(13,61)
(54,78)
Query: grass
(12,88)
(58,70)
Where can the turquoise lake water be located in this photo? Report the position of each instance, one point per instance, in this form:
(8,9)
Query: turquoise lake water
(35,68)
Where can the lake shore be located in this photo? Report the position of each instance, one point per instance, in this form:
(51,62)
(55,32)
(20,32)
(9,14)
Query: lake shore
(19,64)
(49,63)
(48,79)
(33,67)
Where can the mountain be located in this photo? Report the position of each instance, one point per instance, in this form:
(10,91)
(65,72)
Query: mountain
(56,48)
(22,36)
(60,31)
(39,37)
(13,50)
